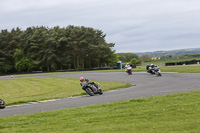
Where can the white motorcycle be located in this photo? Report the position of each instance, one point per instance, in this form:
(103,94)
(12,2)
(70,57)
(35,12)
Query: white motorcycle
(155,70)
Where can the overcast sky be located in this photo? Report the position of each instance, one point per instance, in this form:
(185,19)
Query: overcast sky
(133,25)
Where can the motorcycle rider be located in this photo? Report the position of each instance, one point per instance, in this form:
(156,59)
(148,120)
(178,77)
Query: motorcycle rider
(151,68)
(147,67)
(82,79)
(127,66)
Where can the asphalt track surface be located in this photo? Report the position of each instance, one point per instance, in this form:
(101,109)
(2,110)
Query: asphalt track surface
(145,85)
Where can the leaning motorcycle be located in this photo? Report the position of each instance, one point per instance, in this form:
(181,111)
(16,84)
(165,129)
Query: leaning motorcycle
(150,70)
(91,89)
(154,71)
(157,71)
(2,104)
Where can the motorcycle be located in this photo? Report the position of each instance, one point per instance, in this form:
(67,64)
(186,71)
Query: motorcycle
(2,104)
(157,71)
(154,71)
(129,71)
(91,89)
(150,70)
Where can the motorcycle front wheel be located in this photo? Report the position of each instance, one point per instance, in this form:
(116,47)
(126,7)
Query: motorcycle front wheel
(100,91)
(158,74)
(2,104)
(89,91)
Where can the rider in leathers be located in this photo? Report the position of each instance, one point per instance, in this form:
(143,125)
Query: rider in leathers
(89,82)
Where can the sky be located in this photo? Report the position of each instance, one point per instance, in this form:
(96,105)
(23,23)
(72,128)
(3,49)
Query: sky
(132,25)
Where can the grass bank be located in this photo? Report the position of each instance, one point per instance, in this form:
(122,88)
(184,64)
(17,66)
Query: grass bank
(167,113)
(23,90)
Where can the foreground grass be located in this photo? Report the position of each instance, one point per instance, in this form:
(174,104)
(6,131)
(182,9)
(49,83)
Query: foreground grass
(168,113)
(23,90)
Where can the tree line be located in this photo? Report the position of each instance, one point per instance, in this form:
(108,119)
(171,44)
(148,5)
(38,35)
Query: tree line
(129,58)
(48,49)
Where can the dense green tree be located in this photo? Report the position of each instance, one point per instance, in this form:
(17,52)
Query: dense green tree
(127,57)
(9,41)
(134,61)
(22,62)
(48,49)
(144,58)
(62,52)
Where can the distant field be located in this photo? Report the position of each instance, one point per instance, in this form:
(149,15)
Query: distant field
(177,113)
(161,63)
(178,69)
(182,69)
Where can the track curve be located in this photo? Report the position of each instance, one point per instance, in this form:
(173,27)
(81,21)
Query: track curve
(145,85)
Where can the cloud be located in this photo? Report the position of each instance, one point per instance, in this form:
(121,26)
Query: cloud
(133,25)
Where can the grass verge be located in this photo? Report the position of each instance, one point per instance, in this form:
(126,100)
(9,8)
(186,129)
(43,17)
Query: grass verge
(167,113)
(23,90)
(182,69)
(161,63)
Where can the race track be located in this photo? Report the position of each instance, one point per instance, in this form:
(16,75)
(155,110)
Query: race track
(145,85)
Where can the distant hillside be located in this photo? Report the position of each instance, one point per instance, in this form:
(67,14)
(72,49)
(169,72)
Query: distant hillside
(191,51)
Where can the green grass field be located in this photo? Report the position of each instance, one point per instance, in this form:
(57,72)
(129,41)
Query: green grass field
(178,113)
(167,113)
(23,90)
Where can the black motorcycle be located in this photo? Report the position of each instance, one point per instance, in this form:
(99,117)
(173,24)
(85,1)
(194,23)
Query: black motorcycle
(2,104)
(91,89)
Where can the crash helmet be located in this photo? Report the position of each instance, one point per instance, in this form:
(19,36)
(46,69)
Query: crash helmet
(81,79)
